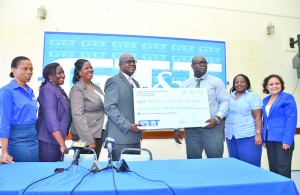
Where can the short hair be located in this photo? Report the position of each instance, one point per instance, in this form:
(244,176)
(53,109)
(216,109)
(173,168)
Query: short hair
(15,63)
(232,89)
(49,69)
(78,66)
(266,80)
(123,57)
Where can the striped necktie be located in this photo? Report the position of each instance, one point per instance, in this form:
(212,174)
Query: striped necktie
(130,81)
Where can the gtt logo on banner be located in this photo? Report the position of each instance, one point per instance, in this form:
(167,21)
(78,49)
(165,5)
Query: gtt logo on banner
(149,122)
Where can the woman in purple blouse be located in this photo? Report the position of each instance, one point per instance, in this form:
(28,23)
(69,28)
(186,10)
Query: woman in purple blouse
(54,114)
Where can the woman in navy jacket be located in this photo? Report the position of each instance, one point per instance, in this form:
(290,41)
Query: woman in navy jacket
(279,125)
(54,114)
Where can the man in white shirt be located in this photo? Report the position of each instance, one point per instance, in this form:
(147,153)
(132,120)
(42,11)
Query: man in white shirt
(210,137)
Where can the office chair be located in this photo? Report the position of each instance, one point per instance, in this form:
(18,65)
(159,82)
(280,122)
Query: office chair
(142,154)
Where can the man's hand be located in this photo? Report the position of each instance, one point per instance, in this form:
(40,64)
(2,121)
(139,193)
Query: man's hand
(134,128)
(211,123)
(178,137)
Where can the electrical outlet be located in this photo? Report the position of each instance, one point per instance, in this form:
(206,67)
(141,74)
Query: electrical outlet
(287,45)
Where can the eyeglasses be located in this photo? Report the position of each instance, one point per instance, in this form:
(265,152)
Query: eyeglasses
(201,63)
(60,73)
(130,62)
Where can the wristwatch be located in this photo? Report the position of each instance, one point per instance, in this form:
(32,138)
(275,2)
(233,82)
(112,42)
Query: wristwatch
(218,119)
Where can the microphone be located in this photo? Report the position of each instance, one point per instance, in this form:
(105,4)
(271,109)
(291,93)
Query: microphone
(77,146)
(109,144)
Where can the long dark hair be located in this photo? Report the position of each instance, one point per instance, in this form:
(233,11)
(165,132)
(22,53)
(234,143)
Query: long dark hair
(246,79)
(49,70)
(78,66)
(15,63)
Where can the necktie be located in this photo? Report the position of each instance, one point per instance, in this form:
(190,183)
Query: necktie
(130,81)
(198,83)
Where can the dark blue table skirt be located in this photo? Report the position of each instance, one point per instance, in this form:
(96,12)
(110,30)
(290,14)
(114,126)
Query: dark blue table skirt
(206,176)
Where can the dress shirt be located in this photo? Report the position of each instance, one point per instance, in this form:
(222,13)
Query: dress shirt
(217,95)
(16,107)
(240,121)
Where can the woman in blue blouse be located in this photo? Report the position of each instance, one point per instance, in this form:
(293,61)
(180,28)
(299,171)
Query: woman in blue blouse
(244,122)
(279,125)
(18,108)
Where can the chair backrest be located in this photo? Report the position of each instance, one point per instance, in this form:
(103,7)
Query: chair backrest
(140,154)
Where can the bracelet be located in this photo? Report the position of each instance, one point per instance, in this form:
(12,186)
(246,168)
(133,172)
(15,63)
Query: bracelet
(258,131)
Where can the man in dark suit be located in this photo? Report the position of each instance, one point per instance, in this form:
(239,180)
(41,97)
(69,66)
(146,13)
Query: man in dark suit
(118,101)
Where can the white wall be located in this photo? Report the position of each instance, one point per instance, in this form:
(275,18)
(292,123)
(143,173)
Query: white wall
(240,23)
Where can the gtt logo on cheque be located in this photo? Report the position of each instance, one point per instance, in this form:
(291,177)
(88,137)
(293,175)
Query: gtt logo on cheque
(149,122)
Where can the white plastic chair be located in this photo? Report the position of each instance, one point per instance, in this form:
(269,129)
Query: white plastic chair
(144,155)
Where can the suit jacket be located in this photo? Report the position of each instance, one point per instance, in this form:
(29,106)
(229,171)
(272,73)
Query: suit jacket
(53,113)
(87,110)
(120,109)
(280,125)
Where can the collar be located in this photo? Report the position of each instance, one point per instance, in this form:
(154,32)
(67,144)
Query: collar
(15,85)
(84,85)
(204,77)
(126,76)
(245,92)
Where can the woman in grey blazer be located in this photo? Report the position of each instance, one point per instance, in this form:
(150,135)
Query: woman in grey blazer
(87,107)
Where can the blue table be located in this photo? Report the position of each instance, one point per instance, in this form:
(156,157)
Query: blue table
(206,176)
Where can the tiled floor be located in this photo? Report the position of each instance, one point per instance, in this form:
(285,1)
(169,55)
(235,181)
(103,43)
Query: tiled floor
(296,178)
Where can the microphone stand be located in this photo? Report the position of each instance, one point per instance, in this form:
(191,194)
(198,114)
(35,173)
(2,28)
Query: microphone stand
(75,160)
(110,165)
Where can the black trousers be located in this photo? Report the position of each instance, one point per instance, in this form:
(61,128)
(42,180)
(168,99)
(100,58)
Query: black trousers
(280,160)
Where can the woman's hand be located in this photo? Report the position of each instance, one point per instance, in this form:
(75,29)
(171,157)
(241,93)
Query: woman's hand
(258,139)
(93,146)
(63,149)
(285,146)
(6,158)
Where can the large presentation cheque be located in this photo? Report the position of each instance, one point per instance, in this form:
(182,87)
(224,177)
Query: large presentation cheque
(164,108)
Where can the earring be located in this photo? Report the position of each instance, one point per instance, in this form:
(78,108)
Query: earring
(78,77)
